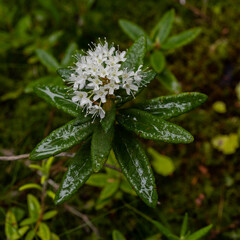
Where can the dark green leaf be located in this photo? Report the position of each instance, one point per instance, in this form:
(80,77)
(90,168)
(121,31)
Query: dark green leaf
(78,172)
(135,54)
(149,126)
(108,120)
(48,80)
(157,60)
(59,97)
(101,146)
(47,60)
(174,105)
(181,39)
(184,226)
(169,81)
(135,166)
(200,233)
(69,54)
(61,139)
(65,73)
(147,78)
(34,208)
(164,27)
(165,231)
(116,235)
(133,31)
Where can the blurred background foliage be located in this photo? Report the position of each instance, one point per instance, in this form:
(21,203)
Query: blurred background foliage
(201,178)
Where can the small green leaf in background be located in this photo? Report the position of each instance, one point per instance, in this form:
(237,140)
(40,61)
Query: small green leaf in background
(181,39)
(163,27)
(162,164)
(151,127)
(135,54)
(18,213)
(77,174)
(219,107)
(30,235)
(169,81)
(97,180)
(65,73)
(170,106)
(44,232)
(30,186)
(134,31)
(61,139)
(49,215)
(116,235)
(68,57)
(184,226)
(157,60)
(11,227)
(237,89)
(34,208)
(135,166)
(28,221)
(228,144)
(200,233)
(101,146)
(47,60)
(110,188)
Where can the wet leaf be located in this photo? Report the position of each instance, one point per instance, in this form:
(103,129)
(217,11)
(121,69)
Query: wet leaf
(135,54)
(181,39)
(65,73)
(151,127)
(77,174)
(59,97)
(61,139)
(133,31)
(101,146)
(135,166)
(174,105)
(163,27)
(110,110)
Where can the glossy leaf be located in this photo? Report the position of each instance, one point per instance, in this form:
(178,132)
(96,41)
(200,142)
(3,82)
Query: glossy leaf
(181,39)
(69,54)
(125,187)
(157,60)
(98,180)
(49,215)
(133,31)
(135,166)
(109,190)
(78,172)
(169,81)
(47,60)
(61,139)
(101,146)
(48,80)
(34,208)
(135,54)
(110,110)
(59,97)
(184,226)
(65,73)
(165,231)
(116,235)
(151,127)
(147,78)
(163,27)
(44,232)
(172,106)
(200,233)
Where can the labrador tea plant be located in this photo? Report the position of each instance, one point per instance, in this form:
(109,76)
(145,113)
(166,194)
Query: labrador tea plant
(99,84)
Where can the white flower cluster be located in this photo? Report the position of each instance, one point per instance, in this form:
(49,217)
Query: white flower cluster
(98,75)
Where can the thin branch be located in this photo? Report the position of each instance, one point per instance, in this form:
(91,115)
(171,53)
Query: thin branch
(112,167)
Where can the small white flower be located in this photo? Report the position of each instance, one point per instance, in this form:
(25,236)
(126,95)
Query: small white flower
(99,74)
